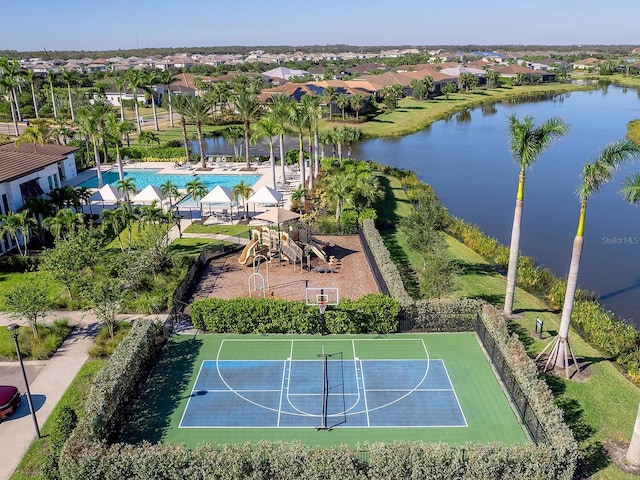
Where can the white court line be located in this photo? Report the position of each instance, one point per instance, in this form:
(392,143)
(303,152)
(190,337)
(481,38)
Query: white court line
(455,394)
(193,389)
(364,394)
(284,373)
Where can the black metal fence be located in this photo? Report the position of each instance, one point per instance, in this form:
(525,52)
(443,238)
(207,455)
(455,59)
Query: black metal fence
(182,293)
(526,413)
(373,265)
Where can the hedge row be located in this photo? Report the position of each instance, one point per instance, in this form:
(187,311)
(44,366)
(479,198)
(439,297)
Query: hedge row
(371,313)
(539,397)
(276,461)
(116,385)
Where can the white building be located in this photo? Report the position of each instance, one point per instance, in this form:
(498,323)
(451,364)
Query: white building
(31,171)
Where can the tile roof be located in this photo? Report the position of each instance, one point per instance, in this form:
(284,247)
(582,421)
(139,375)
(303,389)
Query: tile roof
(21,161)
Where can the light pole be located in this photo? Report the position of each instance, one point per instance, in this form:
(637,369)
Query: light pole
(13,328)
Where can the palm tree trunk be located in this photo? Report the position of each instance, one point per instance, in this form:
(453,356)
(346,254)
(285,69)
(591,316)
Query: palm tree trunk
(302,166)
(35,102)
(310,162)
(170,108)
(53,100)
(316,168)
(14,117)
(514,247)
(201,144)
(567,308)
(246,144)
(135,102)
(119,162)
(96,156)
(15,99)
(183,123)
(633,453)
(272,163)
(121,107)
(284,178)
(155,113)
(73,116)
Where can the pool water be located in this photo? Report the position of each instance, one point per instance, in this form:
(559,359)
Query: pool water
(146,176)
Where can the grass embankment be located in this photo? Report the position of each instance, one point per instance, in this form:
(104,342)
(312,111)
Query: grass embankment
(75,397)
(599,409)
(414,115)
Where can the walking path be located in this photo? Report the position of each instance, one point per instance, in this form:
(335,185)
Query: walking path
(18,432)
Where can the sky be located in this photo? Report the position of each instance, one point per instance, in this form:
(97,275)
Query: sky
(35,25)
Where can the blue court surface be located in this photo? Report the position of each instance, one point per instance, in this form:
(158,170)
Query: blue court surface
(313,393)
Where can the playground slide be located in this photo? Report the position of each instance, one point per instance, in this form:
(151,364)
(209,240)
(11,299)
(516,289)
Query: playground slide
(320,253)
(247,251)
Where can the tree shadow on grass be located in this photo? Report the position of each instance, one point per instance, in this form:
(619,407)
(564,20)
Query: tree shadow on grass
(151,417)
(591,455)
(401,260)
(466,268)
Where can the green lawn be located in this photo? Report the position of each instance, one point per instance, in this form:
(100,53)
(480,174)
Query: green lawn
(485,407)
(229,230)
(193,246)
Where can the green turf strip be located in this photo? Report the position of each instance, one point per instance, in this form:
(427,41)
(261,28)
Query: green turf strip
(485,406)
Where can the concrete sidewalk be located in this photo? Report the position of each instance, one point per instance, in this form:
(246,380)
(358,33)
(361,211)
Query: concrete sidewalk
(17,432)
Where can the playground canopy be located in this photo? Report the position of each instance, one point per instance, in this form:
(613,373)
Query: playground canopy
(277,215)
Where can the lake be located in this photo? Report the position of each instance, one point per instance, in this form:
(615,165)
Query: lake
(467,161)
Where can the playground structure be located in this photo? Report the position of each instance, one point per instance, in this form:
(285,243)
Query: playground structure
(295,246)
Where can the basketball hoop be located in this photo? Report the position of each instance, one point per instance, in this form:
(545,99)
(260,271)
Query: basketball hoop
(322,306)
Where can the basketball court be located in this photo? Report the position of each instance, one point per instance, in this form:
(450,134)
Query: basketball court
(340,388)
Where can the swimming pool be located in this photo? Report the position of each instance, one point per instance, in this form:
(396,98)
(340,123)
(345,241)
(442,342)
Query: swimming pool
(148,176)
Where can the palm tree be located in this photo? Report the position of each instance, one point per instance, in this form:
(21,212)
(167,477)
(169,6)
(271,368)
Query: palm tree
(32,135)
(180,104)
(111,220)
(31,79)
(120,88)
(249,108)
(64,222)
(298,196)
(167,78)
(136,80)
(357,102)
(339,189)
(232,135)
(17,224)
(343,101)
(116,131)
(281,107)
(9,81)
(69,77)
(299,119)
(170,189)
(92,121)
(243,190)
(311,104)
(329,95)
(366,190)
(147,138)
(127,186)
(196,189)
(50,77)
(631,189)
(268,128)
(196,110)
(527,144)
(149,81)
(593,176)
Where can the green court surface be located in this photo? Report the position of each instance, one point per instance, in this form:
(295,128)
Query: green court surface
(235,388)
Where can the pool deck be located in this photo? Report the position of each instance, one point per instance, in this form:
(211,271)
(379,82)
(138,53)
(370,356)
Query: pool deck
(291,182)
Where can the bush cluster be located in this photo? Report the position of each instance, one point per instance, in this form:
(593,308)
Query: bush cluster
(371,313)
(116,386)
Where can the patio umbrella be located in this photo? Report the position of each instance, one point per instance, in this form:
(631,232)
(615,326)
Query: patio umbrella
(107,194)
(265,195)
